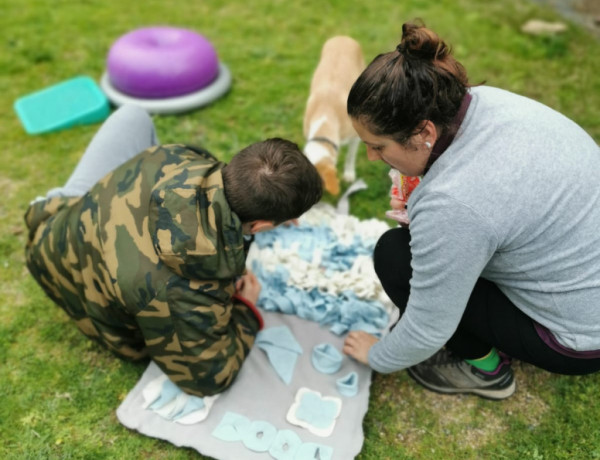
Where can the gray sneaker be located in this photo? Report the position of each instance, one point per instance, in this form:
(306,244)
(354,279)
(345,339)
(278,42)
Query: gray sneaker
(446,373)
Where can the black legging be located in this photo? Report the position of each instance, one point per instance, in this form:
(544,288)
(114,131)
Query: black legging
(490,319)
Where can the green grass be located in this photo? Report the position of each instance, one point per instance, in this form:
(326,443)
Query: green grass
(59,392)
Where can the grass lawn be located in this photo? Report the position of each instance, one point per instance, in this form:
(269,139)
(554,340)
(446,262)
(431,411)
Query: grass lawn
(59,392)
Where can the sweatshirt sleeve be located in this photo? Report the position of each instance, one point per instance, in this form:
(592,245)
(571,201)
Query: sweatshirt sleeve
(451,245)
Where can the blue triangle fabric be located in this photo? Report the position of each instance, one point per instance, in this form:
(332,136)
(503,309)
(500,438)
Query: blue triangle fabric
(281,348)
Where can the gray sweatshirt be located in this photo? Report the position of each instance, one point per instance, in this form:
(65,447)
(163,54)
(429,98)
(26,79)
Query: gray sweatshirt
(514,199)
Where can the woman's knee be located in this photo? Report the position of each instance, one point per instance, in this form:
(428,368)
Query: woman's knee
(391,260)
(392,252)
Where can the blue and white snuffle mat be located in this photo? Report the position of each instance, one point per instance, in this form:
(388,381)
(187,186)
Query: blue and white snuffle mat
(322,270)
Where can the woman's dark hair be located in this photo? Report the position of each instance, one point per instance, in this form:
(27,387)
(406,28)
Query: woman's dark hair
(271,180)
(420,80)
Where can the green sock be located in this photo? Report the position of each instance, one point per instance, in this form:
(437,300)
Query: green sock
(488,363)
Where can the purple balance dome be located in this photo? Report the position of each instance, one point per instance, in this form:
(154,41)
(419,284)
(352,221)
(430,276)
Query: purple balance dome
(161,62)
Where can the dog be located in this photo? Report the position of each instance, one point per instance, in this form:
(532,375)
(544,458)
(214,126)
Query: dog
(327,125)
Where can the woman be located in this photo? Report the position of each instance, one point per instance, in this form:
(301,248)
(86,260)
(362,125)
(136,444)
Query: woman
(502,255)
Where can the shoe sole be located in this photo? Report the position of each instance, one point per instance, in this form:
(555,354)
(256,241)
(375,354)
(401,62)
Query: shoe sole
(495,395)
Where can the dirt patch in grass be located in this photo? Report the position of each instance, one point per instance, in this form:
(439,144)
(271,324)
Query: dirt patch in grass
(583,12)
(8,185)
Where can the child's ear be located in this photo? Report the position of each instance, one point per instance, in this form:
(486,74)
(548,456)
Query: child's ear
(258,226)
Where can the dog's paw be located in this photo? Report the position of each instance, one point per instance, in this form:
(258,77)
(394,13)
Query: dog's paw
(328,173)
(349,176)
(332,186)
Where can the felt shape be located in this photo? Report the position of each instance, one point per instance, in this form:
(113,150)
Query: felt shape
(317,307)
(280,336)
(195,410)
(283,361)
(259,436)
(312,451)
(173,407)
(167,400)
(168,393)
(192,404)
(283,304)
(232,427)
(339,328)
(348,385)
(314,412)
(326,358)
(281,348)
(368,328)
(151,391)
(285,445)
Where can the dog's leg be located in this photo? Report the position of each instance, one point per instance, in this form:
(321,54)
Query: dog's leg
(350,163)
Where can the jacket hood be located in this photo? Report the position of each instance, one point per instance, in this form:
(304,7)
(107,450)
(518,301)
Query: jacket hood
(193,229)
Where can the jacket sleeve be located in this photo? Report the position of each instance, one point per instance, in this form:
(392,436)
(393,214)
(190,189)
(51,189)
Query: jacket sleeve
(198,334)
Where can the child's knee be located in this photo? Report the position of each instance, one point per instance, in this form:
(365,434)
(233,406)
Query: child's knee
(133,112)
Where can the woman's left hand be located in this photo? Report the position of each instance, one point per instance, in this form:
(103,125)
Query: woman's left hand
(358,344)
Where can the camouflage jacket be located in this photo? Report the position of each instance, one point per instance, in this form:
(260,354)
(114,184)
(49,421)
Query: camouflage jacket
(145,263)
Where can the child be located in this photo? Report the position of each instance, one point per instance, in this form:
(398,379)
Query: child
(144,245)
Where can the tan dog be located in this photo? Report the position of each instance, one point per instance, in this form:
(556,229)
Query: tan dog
(326,122)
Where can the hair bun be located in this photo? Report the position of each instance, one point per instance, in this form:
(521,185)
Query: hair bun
(418,42)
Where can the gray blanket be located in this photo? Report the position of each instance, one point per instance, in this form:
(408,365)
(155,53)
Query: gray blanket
(259,394)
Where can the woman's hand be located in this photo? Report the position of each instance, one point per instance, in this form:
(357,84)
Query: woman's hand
(358,344)
(248,287)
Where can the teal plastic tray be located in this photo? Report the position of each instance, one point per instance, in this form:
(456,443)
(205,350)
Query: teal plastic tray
(77,101)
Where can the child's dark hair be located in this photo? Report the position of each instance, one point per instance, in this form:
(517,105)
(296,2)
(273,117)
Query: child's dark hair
(271,180)
(420,80)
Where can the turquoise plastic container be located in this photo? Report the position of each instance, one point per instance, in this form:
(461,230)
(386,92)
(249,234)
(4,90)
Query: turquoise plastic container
(77,101)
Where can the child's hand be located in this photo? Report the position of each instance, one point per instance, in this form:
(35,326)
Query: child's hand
(398,212)
(358,344)
(248,287)
(397,204)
